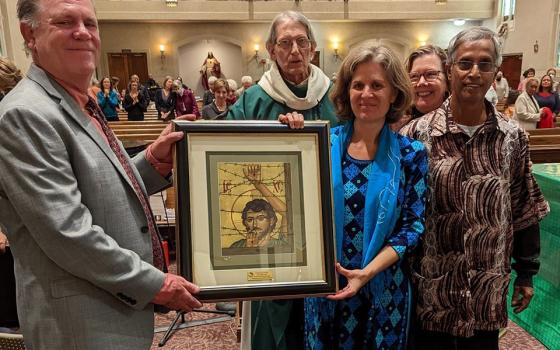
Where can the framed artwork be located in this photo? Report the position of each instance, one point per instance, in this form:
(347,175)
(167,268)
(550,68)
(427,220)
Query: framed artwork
(254,209)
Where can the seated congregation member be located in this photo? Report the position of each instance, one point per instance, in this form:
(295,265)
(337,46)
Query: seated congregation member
(246,82)
(292,84)
(108,100)
(483,210)
(165,100)
(288,86)
(135,103)
(75,208)
(548,98)
(426,69)
(379,182)
(527,110)
(219,108)
(232,92)
(209,94)
(185,103)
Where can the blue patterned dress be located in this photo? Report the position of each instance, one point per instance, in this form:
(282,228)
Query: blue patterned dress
(366,321)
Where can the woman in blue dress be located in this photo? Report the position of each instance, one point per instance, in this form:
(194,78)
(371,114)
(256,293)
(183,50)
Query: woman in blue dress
(379,182)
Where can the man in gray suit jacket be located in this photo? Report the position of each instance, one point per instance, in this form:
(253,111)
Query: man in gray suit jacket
(80,232)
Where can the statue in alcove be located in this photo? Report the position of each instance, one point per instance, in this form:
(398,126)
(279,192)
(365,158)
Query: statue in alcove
(210,67)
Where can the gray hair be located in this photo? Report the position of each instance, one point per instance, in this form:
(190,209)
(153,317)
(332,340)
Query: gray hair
(246,79)
(285,16)
(232,84)
(212,79)
(474,34)
(27,12)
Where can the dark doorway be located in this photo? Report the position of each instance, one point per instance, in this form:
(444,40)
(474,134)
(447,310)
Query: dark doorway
(511,67)
(124,64)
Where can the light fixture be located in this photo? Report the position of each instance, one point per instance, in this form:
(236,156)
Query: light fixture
(536,46)
(441,2)
(459,22)
(336,56)
(171,3)
(256,56)
(162,52)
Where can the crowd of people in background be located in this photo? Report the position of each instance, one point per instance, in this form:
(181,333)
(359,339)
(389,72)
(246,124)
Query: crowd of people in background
(173,98)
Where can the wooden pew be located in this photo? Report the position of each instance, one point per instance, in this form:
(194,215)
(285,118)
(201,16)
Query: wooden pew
(544,145)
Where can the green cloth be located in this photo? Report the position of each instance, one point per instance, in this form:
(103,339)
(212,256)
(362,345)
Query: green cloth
(256,104)
(542,318)
(277,324)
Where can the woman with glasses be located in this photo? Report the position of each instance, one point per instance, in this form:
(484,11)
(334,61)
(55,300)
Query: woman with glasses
(292,84)
(426,69)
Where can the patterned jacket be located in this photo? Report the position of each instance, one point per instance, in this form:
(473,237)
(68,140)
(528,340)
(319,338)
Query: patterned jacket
(481,191)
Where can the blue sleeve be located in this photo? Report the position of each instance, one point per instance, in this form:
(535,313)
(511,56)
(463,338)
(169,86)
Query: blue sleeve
(410,224)
(113,99)
(556,103)
(101,101)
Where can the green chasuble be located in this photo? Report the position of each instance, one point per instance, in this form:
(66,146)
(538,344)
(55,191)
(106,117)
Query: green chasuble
(278,324)
(255,104)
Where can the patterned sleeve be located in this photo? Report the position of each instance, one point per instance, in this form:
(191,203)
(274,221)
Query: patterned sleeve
(410,224)
(528,205)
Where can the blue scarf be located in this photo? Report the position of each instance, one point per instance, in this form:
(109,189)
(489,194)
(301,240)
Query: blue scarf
(381,196)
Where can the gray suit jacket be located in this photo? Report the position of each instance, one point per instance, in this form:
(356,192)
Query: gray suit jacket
(78,233)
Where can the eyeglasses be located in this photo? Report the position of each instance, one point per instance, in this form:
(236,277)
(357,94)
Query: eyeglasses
(431,75)
(286,44)
(484,67)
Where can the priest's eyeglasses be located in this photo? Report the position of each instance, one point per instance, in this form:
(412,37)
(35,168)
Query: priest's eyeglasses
(286,44)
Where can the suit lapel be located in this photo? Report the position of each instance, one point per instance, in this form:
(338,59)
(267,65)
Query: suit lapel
(74,112)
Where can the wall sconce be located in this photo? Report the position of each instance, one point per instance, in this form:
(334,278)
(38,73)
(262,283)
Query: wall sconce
(171,3)
(459,22)
(336,56)
(536,46)
(441,2)
(256,56)
(162,53)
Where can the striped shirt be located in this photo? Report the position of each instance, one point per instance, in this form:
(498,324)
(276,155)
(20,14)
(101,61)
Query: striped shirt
(481,190)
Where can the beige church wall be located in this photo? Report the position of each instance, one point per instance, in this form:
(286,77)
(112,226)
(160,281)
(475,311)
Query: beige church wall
(216,36)
(534,23)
